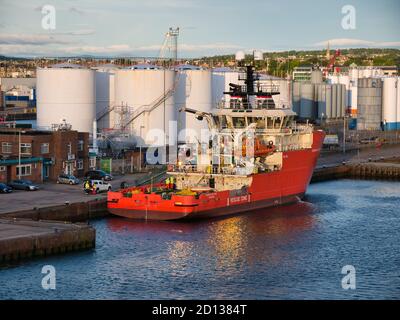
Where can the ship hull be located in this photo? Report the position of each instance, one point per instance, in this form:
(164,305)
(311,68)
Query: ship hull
(285,186)
(211,213)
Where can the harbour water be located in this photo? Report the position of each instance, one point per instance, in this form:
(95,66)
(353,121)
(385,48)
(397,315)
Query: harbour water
(291,252)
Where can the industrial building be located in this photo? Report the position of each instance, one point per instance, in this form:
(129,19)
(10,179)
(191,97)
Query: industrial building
(42,155)
(18,101)
(302,73)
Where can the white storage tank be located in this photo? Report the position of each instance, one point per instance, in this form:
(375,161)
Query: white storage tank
(221,78)
(316,76)
(308,108)
(389,103)
(105,95)
(144,98)
(333,79)
(398,104)
(194,91)
(354,74)
(296,97)
(285,95)
(345,79)
(367,73)
(284,98)
(67,93)
(324,98)
(369,104)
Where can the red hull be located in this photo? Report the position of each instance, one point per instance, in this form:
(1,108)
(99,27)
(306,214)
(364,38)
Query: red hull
(267,189)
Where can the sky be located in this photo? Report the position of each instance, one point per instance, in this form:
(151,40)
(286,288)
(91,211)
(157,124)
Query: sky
(207,27)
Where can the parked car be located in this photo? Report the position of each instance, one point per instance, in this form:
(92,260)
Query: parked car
(23,185)
(5,188)
(99,185)
(98,175)
(67,179)
(369,140)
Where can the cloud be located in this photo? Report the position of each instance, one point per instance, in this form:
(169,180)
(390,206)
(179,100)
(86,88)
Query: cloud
(23,39)
(211,46)
(120,49)
(99,50)
(76,10)
(82,32)
(348,43)
(27,50)
(56,45)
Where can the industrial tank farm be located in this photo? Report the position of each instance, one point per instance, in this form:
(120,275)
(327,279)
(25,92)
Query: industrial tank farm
(66,93)
(144,100)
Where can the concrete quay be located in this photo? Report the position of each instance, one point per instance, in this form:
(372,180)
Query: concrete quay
(384,169)
(23,239)
(71,212)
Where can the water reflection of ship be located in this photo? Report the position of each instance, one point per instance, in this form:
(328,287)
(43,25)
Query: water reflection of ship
(272,221)
(228,244)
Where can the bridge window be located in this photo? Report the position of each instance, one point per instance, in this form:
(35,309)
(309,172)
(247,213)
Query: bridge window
(239,122)
(223,122)
(236,103)
(278,122)
(270,123)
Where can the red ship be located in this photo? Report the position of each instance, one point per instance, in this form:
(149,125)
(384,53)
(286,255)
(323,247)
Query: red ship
(277,169)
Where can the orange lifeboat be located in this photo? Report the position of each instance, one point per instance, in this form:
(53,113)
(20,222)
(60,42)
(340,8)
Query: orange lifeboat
(260,148)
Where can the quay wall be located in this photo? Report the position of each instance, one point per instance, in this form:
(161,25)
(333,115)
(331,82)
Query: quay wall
(72,212)
(24,239)
(370,170)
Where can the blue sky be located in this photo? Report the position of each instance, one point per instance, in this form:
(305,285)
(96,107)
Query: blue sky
(208,27)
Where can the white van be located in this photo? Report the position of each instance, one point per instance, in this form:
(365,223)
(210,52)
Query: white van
(101,185)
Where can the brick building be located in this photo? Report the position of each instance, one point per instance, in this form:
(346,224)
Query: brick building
(44,154)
